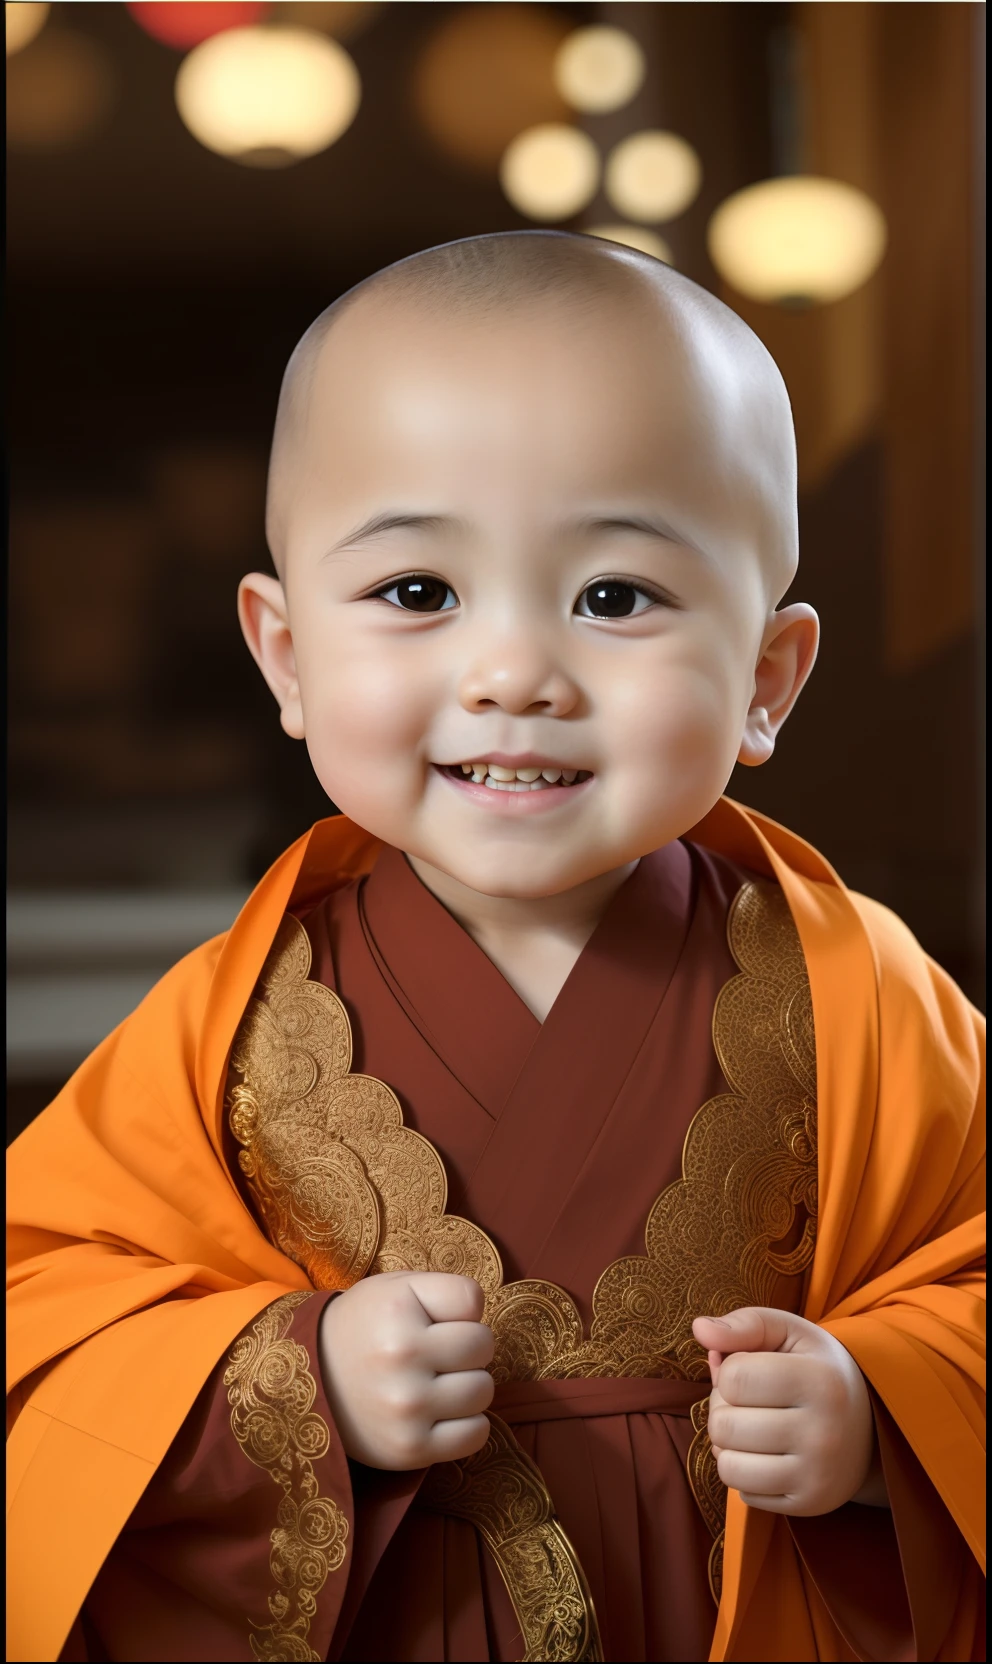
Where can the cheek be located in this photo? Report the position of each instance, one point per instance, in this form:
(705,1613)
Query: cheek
(683,721)
(366,711)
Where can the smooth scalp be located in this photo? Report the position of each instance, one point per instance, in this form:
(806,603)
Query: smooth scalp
(487,278)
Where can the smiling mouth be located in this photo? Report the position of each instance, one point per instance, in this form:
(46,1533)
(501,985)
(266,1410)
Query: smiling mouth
(500,779)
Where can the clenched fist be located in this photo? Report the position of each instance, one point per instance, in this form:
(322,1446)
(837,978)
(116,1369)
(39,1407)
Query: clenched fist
(790,1418)
(404,1356)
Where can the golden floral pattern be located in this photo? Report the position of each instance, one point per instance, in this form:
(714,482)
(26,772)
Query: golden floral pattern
(748,1175)
(347,1190)
(502,1492)
(272,1392)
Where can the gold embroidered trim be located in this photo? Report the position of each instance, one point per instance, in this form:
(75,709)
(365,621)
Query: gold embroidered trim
(346,1190)
(748,1172)
(344,1187)
(502,1492)
(709,1491)
(271,1392)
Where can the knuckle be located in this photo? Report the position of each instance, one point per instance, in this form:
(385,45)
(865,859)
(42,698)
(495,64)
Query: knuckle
(733,1378)
(407,1448)
(472,1295)
(720,1427)
(402,1402)
(395,1350)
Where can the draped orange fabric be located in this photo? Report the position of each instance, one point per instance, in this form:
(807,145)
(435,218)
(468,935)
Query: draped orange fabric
(134,1262)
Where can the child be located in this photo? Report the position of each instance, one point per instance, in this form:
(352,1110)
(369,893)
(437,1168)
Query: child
(551,1144)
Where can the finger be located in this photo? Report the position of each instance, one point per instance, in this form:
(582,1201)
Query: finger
(761,1432)
(456,1345)
(461,1394)
(759,1475)
(764,1380)
(449,1441)
(447,1298)
(772,1504)
(749,1329)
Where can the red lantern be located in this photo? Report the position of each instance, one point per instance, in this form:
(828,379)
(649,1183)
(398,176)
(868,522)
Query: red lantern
(183,24)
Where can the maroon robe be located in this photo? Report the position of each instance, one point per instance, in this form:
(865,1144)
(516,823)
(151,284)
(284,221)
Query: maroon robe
(557,1140)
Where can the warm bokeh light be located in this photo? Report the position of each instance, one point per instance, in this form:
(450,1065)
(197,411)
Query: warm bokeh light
(58,92)
(24,21)
(599,69)
(798,240)
(268,96)
(183,23)
(484,76)
(550,172)
(341,18)
(633,236)
(652,176)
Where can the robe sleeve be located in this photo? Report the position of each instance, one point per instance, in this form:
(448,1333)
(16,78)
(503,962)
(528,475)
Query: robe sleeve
(236,1548)
(889,1577)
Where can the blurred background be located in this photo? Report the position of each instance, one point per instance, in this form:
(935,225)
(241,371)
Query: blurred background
(188,185)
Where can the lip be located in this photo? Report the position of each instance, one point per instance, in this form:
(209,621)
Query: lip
(513,804)
(506,759)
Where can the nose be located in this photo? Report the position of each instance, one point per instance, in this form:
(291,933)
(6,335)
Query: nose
(516,675)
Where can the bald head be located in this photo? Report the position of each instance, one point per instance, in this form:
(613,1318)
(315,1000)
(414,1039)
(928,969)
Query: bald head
(740,404)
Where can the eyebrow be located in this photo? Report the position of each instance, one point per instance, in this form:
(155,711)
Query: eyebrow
(644,525)
(380,523)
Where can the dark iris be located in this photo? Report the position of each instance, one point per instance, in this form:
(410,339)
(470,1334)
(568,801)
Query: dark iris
(611,600)
(421,594)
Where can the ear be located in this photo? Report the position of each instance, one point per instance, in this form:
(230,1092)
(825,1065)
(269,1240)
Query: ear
(265,627)
(788,653)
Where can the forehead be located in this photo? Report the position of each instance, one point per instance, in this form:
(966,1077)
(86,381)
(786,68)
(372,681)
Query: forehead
(540,409)
(617,379)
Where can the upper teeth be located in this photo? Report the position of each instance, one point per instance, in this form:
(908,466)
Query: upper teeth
(516,779)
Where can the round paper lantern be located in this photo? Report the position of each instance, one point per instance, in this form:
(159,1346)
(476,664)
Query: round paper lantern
(634,236)
(183,23)
(59,92)
(485,75)
(798,240)
(550,172)
(340,18)
(652,176)
(268,96)
(24,21)
(599,69)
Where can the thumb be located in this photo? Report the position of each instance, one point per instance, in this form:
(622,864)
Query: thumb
(447,1297)
(749,1329)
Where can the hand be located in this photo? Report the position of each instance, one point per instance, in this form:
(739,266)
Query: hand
(790,1418)
(404,1356)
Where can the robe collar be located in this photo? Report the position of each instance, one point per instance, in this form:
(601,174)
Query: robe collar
(467,1011)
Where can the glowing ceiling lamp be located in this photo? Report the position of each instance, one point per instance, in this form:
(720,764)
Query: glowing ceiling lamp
(599,69)
(184,23)
(59,93)
(798,240)
(633,236)
(485,74)
(24,21)
(652,176)
(268,96)
(550,172)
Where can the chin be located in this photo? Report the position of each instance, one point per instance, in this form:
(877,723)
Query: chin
(522,878)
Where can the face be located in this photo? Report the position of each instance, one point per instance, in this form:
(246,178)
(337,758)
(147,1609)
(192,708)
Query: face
(524,598)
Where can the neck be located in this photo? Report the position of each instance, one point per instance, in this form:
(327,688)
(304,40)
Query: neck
(533,941)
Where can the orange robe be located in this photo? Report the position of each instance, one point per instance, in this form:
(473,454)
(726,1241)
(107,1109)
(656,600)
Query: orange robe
(125,1207)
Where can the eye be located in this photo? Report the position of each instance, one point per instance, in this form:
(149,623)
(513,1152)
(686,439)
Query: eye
(419,593)
(613,598)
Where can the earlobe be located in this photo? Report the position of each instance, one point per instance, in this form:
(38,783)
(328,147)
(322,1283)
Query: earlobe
(758,741)
(788,653)
(264,623)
